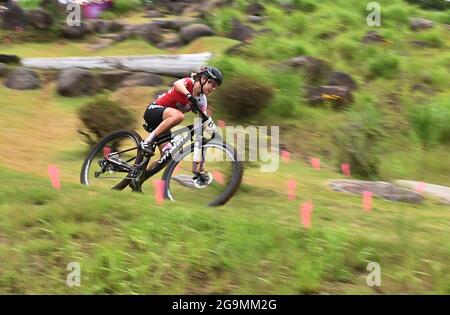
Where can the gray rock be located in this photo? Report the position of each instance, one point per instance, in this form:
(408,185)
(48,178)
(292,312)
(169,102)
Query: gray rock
(142,79)
(379,189)
(104,26)
(9,58)
(153,14)
(152,33)
(111,80)
(438,191)
(241,31)
(339,96)
(23,79)
(3,70)
(40,19)
(75,32)
(419,24)
(255,9)
(77,82)
(315,69)
(190,32)
(170,43)
(255,19)
(373,37)
(342,79)
(14,17)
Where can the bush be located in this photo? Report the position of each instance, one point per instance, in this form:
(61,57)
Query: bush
(432,37)
(358,142)
(102,117)
(385,66)
(431,4)
(221,21)
(108,15)
(124,6)
(395,14)
(431,122)
(244,97)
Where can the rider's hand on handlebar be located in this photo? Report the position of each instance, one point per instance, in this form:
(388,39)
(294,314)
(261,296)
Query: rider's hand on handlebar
(209,126)
(193,101)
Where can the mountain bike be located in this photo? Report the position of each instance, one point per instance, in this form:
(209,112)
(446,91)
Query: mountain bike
(200,165)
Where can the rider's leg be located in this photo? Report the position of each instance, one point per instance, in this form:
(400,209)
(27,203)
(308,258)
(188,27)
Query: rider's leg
(161,121)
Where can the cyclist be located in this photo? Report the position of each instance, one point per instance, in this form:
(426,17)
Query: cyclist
(187,94)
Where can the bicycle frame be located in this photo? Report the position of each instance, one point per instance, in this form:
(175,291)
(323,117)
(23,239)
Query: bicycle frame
(168,156)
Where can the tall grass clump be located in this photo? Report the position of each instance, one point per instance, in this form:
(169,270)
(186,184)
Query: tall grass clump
(431,122)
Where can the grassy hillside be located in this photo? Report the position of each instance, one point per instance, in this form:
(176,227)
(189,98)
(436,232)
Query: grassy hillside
(126,243)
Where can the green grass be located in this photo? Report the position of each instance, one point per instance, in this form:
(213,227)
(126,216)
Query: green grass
(125,243)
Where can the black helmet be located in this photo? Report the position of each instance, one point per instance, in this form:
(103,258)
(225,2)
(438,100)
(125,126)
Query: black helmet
(212,73)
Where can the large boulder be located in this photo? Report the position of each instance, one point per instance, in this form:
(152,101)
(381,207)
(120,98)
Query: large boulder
(9,58)
(76,32)
(379,189)
(40,19)
(315,69)
(3,70)
(419,24)
(152,33)
(77,82)
(241,31)
(14,17)
(342,79)
(190,32)
(142,79)
(255,9)
(104,26)
(153,14)
(111,80)
(23,79)
(169,41)
(338,96)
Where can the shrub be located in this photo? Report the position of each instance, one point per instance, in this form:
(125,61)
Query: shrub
(221,21)
(243,97)
(358,142)
(431,4)
(385,66)
(432,37)
(103,116)
(348,49)
(395,14)
(108,15)
(431,122)
(124,6)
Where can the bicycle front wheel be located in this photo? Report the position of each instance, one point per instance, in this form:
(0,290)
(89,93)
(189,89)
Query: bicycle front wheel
(223,171)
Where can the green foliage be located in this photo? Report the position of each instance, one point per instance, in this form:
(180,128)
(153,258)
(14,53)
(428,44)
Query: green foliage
(124,6)
(244,97)
(431,4)
(395,15)
(432,37)
(221,21)
(108,15)
(103,116)
(358,141)
(385,66)
(30,4)
(431,122)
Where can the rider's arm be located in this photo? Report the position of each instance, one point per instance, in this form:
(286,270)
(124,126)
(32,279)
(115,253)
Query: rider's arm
(180,86)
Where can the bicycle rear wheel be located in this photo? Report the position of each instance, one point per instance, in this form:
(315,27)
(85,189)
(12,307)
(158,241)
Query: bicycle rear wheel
(110,161)
(222,167)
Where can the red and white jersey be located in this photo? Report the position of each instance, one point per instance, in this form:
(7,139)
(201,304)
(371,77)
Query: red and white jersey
(179,101)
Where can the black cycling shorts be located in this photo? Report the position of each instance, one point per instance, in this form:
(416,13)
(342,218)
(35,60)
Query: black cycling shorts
(153,116)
